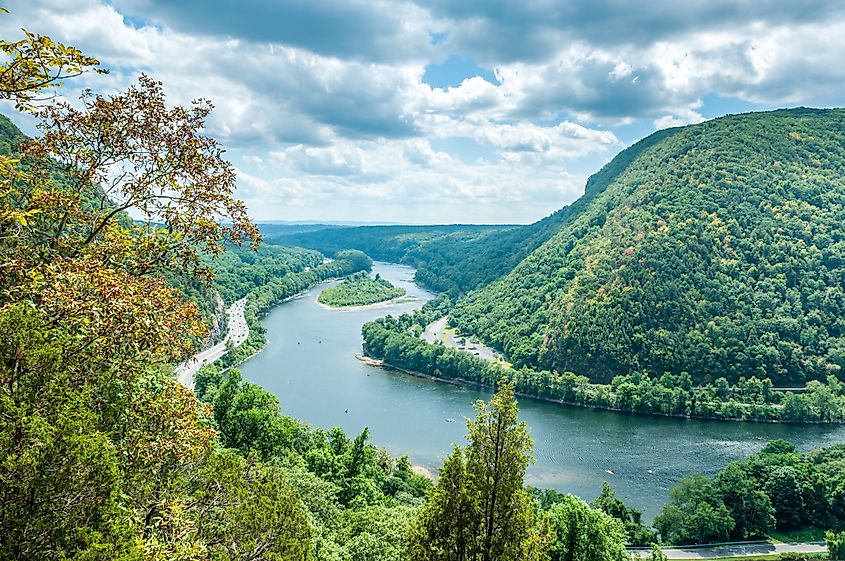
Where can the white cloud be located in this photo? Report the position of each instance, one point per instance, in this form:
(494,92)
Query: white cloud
(341,125)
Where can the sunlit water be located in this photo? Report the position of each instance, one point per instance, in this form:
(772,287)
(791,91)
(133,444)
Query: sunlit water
(310,364)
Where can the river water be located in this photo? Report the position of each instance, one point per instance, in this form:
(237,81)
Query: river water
(310,364)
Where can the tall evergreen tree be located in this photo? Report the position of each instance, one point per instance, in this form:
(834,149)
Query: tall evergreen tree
(479,510)
(499,452)
(446,527)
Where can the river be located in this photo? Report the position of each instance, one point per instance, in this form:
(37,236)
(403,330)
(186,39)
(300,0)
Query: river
(310,364)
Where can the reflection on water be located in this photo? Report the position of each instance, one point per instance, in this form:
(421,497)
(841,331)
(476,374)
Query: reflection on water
(310,364)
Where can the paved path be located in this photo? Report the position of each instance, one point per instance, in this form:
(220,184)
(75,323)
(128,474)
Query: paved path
(437,331)
(738,551)
(237,333)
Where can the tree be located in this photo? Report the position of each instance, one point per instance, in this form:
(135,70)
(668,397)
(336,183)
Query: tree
(375,533)
(479,509)
(95,435)
(657,554)
(498,454)
(446,527)
(750,508)
(247,510)
(609,503)
(631,518)
(695,514)
(585,534)
(784,488)
(835,545)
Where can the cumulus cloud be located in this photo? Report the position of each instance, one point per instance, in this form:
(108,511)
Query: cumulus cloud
(367,30)
(496,31)
(325,107)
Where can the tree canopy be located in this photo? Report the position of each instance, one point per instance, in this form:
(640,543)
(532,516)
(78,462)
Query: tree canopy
(713,249)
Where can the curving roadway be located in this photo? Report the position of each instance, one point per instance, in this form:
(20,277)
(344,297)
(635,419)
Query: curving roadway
(237,333)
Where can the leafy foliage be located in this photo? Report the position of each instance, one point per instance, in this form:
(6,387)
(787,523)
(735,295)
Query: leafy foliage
(359,290)
(103,454)
(835,544)
(775,488)
(397,342)
(636,533)
(37,63)
(585,534)
(715,250)
(359,498)
(479,509)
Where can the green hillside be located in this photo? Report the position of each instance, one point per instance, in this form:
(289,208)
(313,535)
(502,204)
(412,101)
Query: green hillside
(445,255)
(717,249)
(455,258)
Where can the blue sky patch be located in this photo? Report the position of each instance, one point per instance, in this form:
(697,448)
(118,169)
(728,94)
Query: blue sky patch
(454,70)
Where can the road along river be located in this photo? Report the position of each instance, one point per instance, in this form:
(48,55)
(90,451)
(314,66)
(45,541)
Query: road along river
(310,364)
(237,332)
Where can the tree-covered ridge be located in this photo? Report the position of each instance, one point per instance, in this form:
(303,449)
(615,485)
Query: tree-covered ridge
(239,270)
(440,253)
(454,259)
(359,289)
(397,341)
(718,250)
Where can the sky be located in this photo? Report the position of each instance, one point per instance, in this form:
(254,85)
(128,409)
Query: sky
(445,111)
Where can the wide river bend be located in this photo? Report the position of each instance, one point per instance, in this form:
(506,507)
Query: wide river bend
(310,364)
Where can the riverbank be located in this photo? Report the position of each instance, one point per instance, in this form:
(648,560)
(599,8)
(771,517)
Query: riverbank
(374,306)
(260,341)
(669,395)
(244,314)
(310,364)
(376,362)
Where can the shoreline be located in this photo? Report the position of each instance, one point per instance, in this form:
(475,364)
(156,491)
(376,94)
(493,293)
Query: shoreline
(373,306)
(379,363)
(298,295)
(375,362)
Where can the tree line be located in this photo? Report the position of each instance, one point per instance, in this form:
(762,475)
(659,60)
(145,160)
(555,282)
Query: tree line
(275,289)
(359,289)
(396,340)
(777,488)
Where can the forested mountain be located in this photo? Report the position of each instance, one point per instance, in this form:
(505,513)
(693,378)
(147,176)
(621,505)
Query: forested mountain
(453,258)
(717,249)
(446,256)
